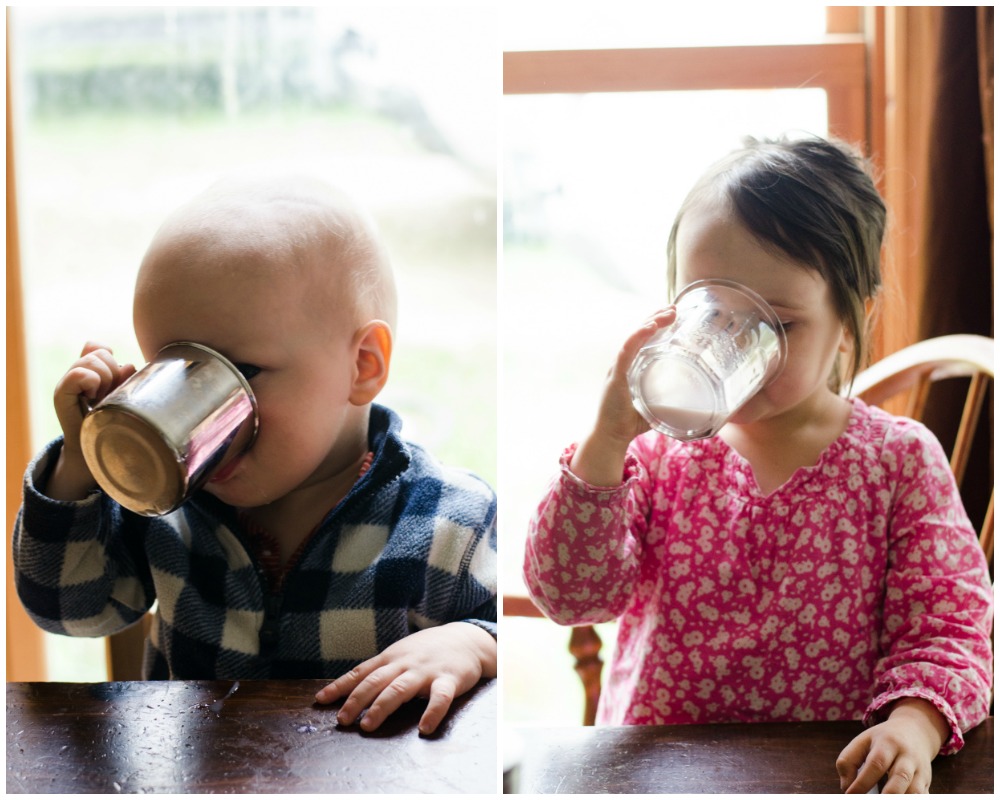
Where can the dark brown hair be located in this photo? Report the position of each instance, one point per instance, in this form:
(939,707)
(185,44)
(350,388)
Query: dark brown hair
(813,201)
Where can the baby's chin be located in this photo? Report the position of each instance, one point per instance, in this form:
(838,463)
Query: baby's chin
(237,491)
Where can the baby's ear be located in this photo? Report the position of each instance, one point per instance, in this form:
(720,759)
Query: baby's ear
(372,349)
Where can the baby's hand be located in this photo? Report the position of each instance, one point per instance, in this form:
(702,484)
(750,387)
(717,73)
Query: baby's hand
(903,747)
(92,376)
(439,663)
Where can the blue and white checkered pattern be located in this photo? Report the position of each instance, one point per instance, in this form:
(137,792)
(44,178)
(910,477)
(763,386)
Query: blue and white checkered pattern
(413,545)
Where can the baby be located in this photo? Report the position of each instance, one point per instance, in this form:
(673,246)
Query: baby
(332,547)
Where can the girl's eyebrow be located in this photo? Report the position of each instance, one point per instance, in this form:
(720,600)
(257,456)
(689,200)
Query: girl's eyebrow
(784,305)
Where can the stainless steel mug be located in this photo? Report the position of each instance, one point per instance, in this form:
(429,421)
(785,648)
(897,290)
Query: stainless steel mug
(159,436)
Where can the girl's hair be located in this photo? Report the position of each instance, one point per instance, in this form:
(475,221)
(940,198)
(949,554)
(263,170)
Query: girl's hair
(813,201)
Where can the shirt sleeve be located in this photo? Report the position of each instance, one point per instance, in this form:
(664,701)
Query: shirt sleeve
(582,556)
(79,567)
(483,575)
(935,640)
(461,575)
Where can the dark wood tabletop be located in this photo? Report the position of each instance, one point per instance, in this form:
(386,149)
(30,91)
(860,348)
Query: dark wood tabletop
(266,736)
(774,758)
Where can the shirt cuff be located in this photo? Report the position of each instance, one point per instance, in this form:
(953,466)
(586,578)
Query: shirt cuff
(37,476)
(489,627)
(878,712)
(629,474)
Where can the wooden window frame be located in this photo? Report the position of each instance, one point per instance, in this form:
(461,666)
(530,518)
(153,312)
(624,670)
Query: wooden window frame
(25,647)
(836,65)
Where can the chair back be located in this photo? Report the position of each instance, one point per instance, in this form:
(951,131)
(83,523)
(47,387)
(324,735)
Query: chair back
(909,374)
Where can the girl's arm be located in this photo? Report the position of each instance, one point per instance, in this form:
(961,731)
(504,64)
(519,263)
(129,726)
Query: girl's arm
(933,681)
(938,596)
(584,545)
(582,554)
(600,458)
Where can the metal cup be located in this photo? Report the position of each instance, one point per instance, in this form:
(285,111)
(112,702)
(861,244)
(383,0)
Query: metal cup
(155,440)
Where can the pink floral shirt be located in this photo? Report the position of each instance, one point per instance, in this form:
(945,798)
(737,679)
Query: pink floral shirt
(858,582)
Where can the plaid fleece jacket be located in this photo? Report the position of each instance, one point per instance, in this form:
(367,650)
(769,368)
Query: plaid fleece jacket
(413,545)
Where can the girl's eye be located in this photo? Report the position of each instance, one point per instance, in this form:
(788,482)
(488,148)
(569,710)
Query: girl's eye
(247,370)
(786,326)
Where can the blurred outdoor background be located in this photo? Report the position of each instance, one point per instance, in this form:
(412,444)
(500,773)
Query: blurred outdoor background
(123,113)
(591,183)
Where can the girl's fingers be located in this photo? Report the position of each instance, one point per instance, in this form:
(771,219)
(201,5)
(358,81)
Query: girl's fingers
(635,342)
(850,761)
(632,346)
(876,765)
(905,777)
(662,318)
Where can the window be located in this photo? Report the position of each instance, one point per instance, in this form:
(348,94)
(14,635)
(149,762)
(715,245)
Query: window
(635,23)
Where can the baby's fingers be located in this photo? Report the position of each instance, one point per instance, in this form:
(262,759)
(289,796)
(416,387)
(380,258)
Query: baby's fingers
(401,689)
(347,682)
(86,377)
(93,375)
(442,695)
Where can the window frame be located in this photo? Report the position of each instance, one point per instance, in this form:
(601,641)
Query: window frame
(837,65)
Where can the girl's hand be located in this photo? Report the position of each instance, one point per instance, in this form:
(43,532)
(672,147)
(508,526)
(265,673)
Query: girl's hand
(439,663)
(600,458)
(92,376)
(902,747)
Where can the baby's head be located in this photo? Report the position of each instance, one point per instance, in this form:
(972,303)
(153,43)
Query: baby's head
(268,231)
(286,276)
(812,201)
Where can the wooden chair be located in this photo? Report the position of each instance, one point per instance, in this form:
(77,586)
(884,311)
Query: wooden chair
(910,373)
(907,374)
(584,645)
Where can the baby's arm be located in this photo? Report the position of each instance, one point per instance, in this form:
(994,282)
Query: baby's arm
(79,568)
(439,663)
(92,376)
(456,613)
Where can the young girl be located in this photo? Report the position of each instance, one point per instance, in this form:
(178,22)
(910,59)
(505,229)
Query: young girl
(812,561)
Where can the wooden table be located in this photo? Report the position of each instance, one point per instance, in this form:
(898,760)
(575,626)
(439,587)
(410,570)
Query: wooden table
(267,736)
(776,758)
